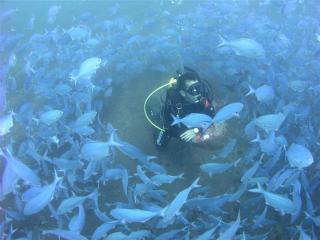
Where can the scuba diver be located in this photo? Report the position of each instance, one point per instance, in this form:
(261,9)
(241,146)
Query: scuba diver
(187,93)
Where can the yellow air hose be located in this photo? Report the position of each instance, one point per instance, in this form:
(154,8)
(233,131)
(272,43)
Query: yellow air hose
(171,82)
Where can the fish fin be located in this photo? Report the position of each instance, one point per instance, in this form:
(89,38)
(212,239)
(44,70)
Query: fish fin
(236,162)
(257,190)
(251,90)
(223,41)
(93,195)
(180,176)
(162,211)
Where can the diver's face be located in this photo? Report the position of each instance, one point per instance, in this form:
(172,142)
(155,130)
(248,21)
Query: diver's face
(191,91)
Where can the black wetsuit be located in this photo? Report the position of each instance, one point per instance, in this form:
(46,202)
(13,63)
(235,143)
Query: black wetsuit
(175,104)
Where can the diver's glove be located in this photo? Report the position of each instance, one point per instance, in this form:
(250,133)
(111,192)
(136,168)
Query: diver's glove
(189,135)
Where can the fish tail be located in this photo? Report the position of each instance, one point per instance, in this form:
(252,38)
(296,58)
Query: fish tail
(56,177)
(251,90)
(175,120)
(223,41)
(195,183)
(112,142)
(257,190)
(257,139)
(73,78)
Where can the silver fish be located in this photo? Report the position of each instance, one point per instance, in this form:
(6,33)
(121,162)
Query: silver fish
(270,122)
(246,47)
(133,215)
(278,202)
(174,207)
(229,111)
(40,201)
(299,156)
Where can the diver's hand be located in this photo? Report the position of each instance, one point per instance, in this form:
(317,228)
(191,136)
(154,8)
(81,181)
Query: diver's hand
(189,135)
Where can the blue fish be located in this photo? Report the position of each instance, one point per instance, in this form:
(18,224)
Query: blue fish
(245,47)
(6,15)
(267,145)
(193,120)
(20,169)
(8,180)
(264,93)
(278,202)
(227,112)
(41,200)
(103,230)
(163,179)
(65,234)
(174,207)
(231,231)
(299,156)
(214,168)
(270,122)
(133,215)
(85,119)
(70,203)
(49,117)
(77,222)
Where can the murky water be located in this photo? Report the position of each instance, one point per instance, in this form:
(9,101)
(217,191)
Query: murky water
(124,109)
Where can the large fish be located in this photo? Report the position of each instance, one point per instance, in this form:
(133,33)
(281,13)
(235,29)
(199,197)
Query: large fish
(86,119)
(267,145)
(65,234)
(79,33)
(72,202)
(103,229)
(87,69)
(229,111)
(214,168)
(264,93)
(193,120)
(243,47)
(76,223)
(133,215)
(6,15)
(299,156)
(20,169)
(8,180)
(49,117)
(174,207)
(270,122)
(41,200)
(160,179)
(231,231)
(97,150)
(277,201)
